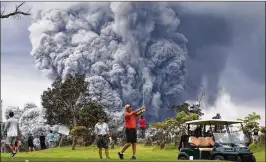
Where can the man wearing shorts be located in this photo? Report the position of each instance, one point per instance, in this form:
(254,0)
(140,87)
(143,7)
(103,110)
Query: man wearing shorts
(101,130)
(131,132)
(12,131)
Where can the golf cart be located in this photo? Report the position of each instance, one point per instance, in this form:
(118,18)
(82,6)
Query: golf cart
(222,141)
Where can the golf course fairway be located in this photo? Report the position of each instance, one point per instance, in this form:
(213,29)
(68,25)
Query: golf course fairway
(82,154)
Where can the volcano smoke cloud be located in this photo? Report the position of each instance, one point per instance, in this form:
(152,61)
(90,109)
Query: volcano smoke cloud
(120,44)
(116,46)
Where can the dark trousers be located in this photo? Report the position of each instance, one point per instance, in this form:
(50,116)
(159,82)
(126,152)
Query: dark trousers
(43,146)
(142,132)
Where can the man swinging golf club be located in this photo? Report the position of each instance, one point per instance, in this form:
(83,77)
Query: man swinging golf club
(131,133)
(12,131)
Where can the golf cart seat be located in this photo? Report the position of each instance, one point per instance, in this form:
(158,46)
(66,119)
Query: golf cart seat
(193,141)
(204,144)
(201,143)
(210,140)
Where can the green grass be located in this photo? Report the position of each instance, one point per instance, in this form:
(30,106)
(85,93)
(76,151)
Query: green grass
(82,154)
(259,151)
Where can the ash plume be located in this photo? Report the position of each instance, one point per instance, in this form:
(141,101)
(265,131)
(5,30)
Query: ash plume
(127,48)
(117,45)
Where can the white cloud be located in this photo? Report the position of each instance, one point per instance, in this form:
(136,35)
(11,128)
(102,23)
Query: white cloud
(231,111)
(21,84)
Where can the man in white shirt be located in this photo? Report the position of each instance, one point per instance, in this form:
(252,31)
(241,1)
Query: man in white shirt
(102,133)
(12,131)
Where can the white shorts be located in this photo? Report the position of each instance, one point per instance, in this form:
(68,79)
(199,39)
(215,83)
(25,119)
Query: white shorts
(11,140)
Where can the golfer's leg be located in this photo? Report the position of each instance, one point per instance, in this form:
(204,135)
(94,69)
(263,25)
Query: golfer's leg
(9,143)
(107,152)
(100,152)
(14,144)
(15,147)
(126,146)
(106,147)
(134,148)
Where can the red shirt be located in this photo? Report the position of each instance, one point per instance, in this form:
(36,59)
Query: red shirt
(130,121)
(142,123)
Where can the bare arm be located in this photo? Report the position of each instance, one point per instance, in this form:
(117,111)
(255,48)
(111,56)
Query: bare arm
(6,127)
(140,112)
(135,112)
(107,130)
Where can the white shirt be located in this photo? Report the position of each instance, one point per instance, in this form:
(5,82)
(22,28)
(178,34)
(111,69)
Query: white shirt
(101,129)
(12,127)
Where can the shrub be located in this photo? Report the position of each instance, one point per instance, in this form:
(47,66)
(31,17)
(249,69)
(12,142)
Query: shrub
(78,131)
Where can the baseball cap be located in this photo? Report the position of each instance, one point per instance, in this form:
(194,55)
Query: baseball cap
(127,106)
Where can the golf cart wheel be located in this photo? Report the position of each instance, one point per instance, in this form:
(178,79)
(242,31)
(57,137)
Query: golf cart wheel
(253,159)
(218,157)
(182,158)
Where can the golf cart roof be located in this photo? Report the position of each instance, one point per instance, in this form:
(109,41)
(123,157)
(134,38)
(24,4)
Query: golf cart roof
(213,122)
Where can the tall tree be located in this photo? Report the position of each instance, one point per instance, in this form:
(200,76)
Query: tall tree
(186,108)
(172,127)
(62,98)
(179,108)
(250,123)
(218,127)
(217,116)
(16,13)
(67,103)
(195,108)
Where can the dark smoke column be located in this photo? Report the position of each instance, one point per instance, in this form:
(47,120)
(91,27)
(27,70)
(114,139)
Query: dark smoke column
(117,45)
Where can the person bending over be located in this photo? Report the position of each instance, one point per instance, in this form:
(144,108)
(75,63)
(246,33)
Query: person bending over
(131,133)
